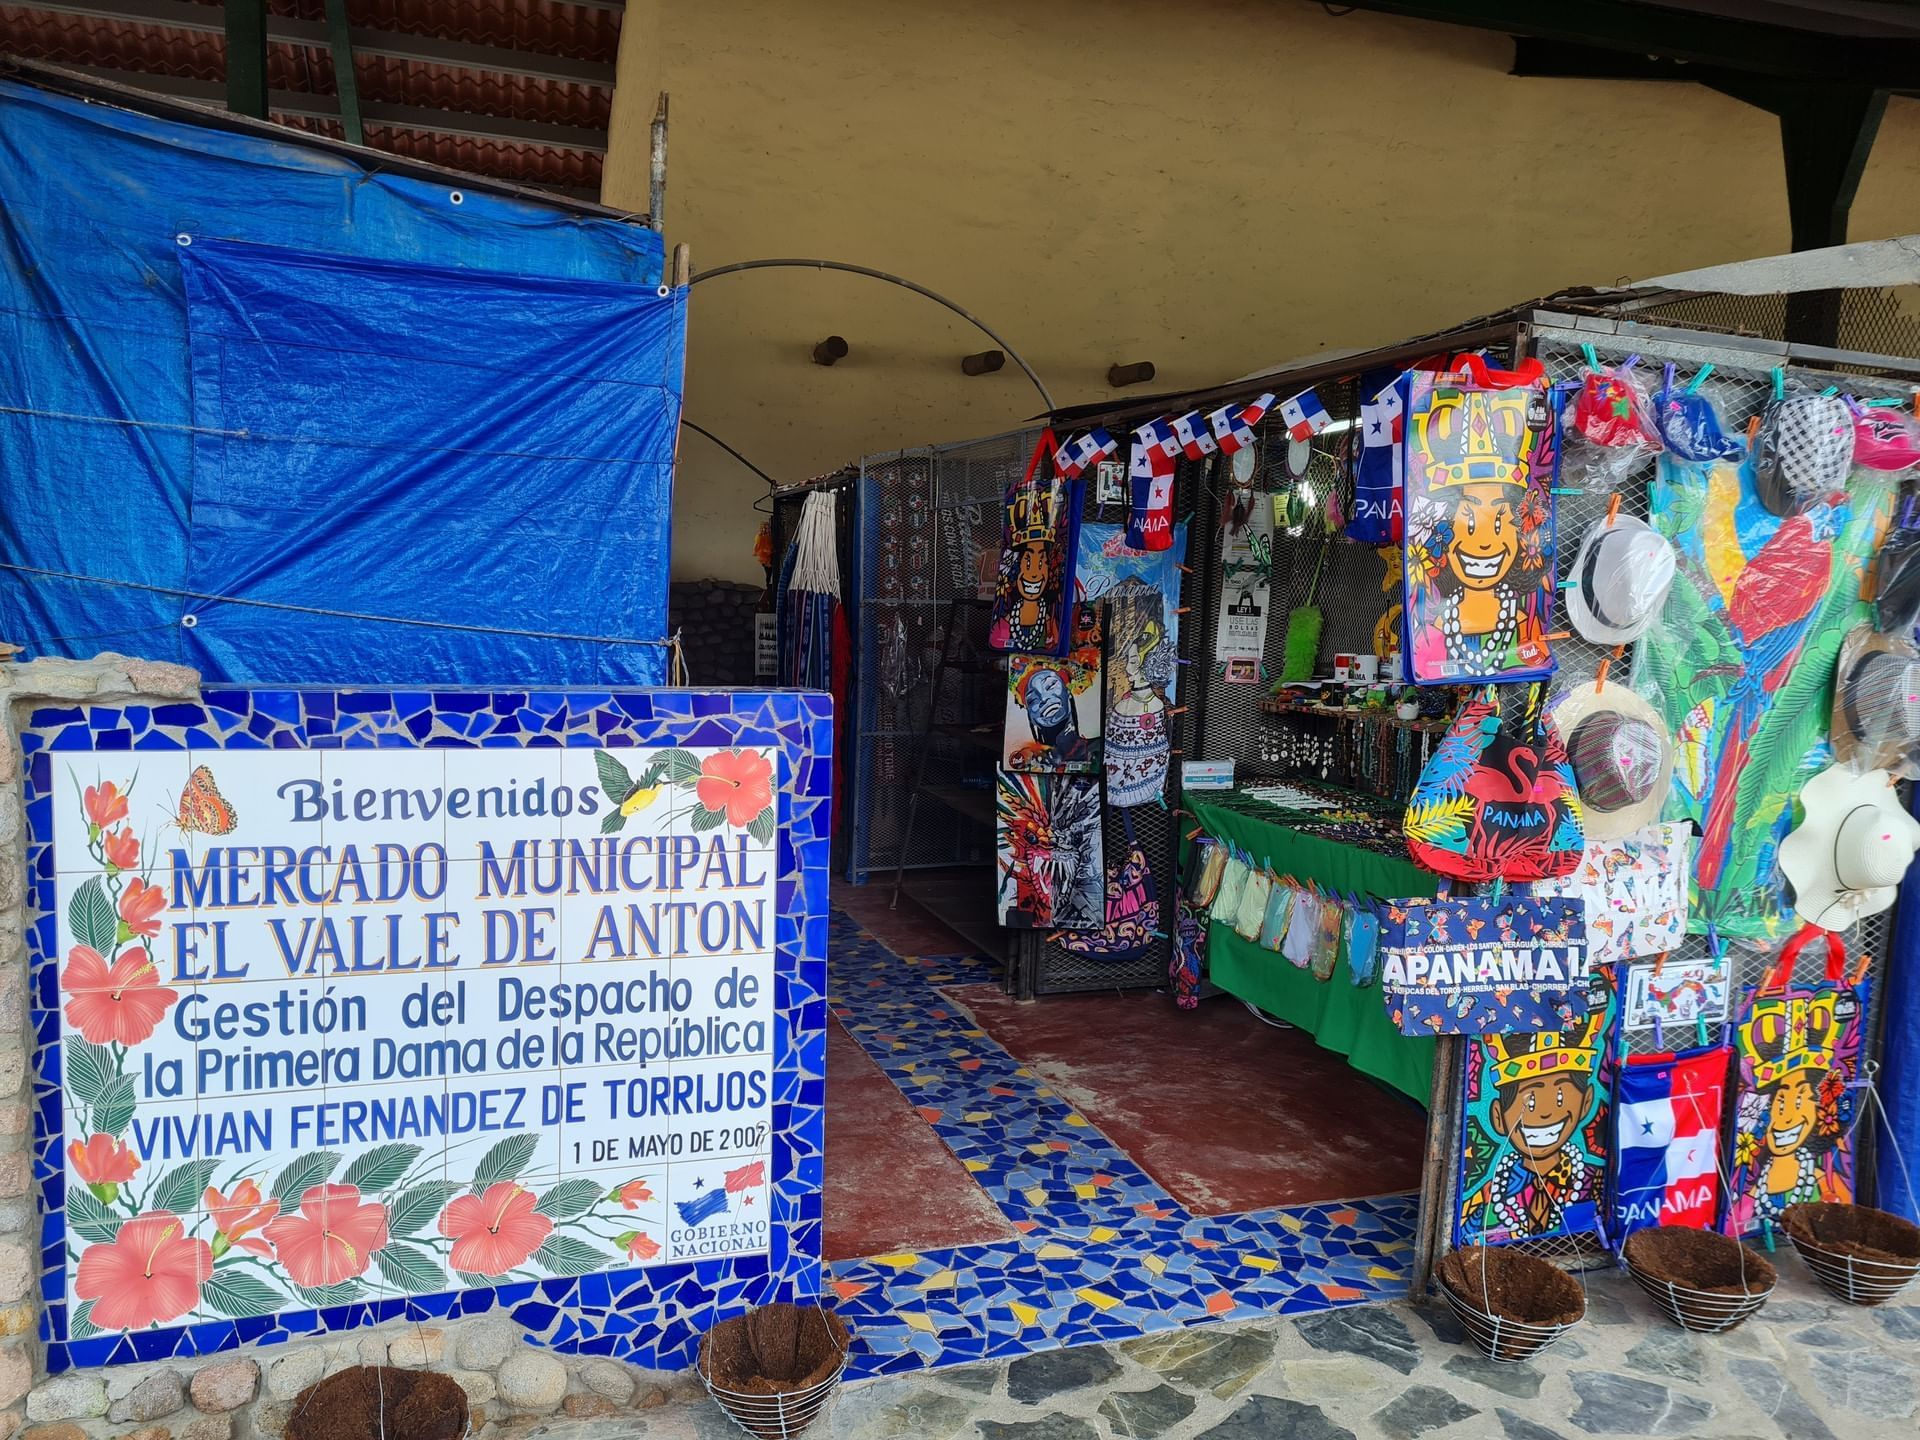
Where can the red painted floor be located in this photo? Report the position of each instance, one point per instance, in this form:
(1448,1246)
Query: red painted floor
(891,1185)
(1227,1113)
(911,929)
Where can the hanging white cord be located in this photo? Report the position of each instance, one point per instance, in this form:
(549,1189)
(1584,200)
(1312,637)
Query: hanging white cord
(816,565)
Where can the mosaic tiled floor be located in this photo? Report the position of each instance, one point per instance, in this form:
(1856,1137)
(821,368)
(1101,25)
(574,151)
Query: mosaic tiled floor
(1103,1252)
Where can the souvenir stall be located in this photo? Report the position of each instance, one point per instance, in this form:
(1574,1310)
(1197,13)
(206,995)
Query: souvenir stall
(1585,686)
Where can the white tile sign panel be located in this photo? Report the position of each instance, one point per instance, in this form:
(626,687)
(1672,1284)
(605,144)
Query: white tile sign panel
(347,1024)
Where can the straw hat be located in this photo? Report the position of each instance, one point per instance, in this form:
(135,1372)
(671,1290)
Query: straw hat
(1620,576)
(1847,855)
(1621,753)
(1876,701)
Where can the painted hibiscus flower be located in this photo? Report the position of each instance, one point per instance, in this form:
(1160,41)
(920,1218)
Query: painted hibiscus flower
(120,1006)
(104,804)
(140,907)
(149,1273)
(739,782)
(122,849)
(494,1231)
(103,1162)
(332,1238)
(634,1194)
(638,1247)
(237,1216)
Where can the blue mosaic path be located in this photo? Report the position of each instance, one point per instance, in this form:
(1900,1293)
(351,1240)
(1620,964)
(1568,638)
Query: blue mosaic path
(1103,1252)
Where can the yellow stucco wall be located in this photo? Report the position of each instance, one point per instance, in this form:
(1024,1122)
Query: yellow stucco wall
(1214,185)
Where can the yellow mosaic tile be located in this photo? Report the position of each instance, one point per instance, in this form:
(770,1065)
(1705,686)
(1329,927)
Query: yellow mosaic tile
(1037,1195)
(1100,1234)
(902,1261)
(1099,1299)
(1027,1315)
(1051,1251)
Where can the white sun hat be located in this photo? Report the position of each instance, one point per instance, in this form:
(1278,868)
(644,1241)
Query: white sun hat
(1847,855)
(1620,576)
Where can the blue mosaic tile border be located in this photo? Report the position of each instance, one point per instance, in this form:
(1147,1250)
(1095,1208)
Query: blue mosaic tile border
(1103,1252)
(652,1317)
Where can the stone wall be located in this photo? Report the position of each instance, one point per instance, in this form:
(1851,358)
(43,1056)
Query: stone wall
(715,621)
(236,1394)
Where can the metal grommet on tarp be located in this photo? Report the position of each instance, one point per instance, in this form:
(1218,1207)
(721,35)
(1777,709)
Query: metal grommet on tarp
(456,197)
(189,620)
(183,238)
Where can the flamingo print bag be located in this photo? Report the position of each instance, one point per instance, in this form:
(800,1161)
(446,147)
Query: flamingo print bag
(1496,800)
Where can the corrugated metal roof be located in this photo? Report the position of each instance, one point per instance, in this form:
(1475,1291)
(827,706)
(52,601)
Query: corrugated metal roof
(467,84)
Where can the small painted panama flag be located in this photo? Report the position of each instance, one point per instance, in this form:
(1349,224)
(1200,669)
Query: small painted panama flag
(1191,431)
(1073,458)
(1233,425)
(1306,417)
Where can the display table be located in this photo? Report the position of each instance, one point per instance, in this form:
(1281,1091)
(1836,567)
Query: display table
(1341,850)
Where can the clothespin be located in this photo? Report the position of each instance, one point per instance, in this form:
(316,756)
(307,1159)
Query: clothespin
(1184,570)
(1885,402)
(1629,362)
(1567,490)
(1700,1028)
(1779,383)
(1714,947)
(1766,1233)
(1560,635)
(1659,1039)
(1593,357)
(1860,970)
(1178,710)
(1693,385)
(1659,963)
(1829,392)
(1196,832)
(1613,509)
(1183,609)
(1600,675)
(1499,888)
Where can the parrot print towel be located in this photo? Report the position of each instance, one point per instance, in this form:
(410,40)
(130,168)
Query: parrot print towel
(1741,667)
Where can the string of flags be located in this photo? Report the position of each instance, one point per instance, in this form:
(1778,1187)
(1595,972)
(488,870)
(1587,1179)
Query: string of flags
(1157,444)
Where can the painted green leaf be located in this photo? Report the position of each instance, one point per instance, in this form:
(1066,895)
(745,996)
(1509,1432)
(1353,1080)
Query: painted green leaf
(761,828)
(569,1198)
(80,1323)
(89,1069)
(411,1270)
(88,1217)
(417,1206)
(301,1175)
(182,1187)
(683,768)
(612,821)
(237,1293)
(473,1281)
(381,1166)
(504,1161)
(91,918)
(614,778)
(113,1111)
(340,1294)
(564,1255)
(708,819)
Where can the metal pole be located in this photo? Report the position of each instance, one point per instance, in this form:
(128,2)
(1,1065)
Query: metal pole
(905,284)
(246,36)
(1443,1142)
(657,167)
(345,83)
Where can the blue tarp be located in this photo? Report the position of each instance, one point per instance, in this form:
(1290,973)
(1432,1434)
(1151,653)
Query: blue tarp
(238,367)
(1897,1167)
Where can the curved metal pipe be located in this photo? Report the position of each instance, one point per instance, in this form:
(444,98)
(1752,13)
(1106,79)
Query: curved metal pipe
(905,284)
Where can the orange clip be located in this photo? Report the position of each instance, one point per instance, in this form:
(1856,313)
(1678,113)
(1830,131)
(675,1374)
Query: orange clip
(1659,964)
(1613,508)
(1195,832)
(1600,675)
(1178,710)
(1560,635)
(1860,970)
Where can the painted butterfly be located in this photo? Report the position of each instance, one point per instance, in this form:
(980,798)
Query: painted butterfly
(203,807)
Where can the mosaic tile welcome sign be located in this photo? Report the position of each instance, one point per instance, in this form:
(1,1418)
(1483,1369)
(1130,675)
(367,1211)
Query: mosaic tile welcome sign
(339,1016)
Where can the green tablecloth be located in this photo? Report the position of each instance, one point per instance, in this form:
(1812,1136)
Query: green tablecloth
(1340,1016)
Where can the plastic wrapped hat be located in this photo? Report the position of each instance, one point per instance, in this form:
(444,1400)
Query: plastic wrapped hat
(1885,440)
(1620,577)
(1621,753)
(1804,452)
(1876,703)
(1846,858)
(1896,583)
(1689,424)
(1611,407)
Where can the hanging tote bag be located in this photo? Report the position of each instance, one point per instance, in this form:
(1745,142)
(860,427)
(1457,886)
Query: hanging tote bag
(1799,1048)
(1039,535)
(1481,452)
(1496,800)
(1132,911)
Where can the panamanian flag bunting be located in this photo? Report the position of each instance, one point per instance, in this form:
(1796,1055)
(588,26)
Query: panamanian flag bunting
(1073,458)
(1305,416)
(1232,425)
(1196,443)
(1667,1138)
(1150,482)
